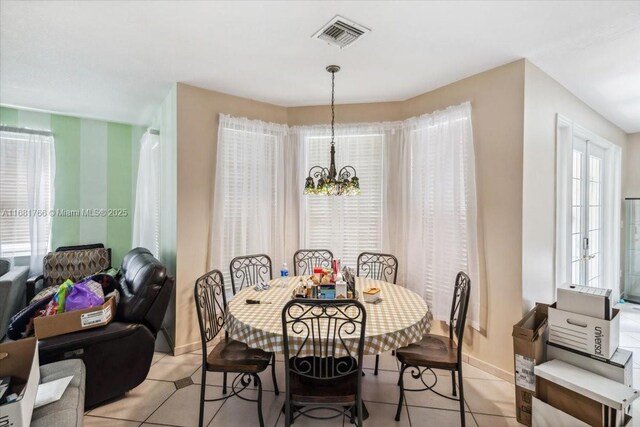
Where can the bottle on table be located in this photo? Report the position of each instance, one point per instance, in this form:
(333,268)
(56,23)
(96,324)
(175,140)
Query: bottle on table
(284,274)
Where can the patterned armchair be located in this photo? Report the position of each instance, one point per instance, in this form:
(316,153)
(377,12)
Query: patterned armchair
(69,262)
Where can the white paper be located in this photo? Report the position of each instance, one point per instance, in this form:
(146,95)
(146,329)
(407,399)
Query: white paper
(525,377)
(51,392)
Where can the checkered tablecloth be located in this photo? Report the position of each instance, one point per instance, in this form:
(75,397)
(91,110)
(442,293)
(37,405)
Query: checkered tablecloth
(401,318)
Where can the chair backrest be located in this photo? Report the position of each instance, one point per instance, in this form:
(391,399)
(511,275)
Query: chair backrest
(459,306)
(211,305)
(249,270)
(305,260)
(323,340)
(75,263)
(378,266)
(145,289)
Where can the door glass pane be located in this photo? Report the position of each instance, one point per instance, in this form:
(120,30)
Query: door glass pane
(595,223)
(576,217)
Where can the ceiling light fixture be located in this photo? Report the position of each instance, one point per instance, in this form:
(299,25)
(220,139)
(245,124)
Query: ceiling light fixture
(329,182)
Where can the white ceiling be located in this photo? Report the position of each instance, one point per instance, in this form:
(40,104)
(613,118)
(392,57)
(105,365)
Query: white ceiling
(117,60)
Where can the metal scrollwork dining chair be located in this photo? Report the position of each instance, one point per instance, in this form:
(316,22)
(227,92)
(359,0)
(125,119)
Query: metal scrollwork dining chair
(305,260)
(323,347)
(249,270)
(227,356)
(377,266)
(439,352)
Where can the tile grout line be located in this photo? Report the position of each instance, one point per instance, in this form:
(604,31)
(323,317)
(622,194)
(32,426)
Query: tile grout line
(160,406)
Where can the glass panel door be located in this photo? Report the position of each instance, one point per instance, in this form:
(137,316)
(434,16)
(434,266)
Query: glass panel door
(587,209)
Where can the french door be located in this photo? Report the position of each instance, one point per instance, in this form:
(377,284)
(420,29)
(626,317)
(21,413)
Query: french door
(587,211)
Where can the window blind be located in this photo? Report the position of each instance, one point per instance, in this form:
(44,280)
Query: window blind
(17,157)
(347,225)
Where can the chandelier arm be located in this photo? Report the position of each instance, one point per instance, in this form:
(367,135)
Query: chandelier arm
(319,172)
(347,172)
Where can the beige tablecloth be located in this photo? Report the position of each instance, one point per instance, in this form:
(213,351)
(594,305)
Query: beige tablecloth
(401,318)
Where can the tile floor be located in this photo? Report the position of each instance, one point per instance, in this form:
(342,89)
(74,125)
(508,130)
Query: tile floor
(157,401)
(489,400)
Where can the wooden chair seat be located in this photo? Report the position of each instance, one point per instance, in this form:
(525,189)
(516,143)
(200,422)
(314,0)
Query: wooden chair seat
(312,390)
(235,356)
(434,351)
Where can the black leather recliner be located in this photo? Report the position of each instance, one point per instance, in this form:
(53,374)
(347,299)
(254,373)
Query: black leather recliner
(118,356)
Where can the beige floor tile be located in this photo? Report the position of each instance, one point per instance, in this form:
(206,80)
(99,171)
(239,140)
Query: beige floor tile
(495,421)
(173,368)
(182,408)
(438,417)
(157,356)
(239,412)
(630,339)
(383,415)
(303,421)
(630,323)
(137,404)
(380,388)
(90,421)
(490,397)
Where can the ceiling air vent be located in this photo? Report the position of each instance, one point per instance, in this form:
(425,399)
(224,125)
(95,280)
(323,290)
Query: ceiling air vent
(341,32)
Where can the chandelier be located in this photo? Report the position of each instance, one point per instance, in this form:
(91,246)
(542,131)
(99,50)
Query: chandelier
(327,181)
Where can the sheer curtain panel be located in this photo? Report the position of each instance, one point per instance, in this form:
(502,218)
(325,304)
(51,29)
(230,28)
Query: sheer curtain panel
(27,170)
(146,213)
(439,207)
(249,192)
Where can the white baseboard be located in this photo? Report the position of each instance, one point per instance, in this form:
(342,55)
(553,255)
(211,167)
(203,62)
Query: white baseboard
(187,348)
(488,368)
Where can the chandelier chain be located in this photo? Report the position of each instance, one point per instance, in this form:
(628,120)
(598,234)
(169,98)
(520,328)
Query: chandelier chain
(333,106)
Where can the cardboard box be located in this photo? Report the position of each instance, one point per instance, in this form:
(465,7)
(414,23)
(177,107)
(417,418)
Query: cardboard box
(73,321)
(587,334)
(586,300)
(619,368)
(529,337)
(19,359)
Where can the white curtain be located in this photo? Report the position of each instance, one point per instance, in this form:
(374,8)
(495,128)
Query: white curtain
(146,212)
(27,165)
(439,208)
(418,198)
(249,192)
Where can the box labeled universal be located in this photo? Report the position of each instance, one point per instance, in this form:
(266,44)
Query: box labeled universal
(591,335)
(587,300)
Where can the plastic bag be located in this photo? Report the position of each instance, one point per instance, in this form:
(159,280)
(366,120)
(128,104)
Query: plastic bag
(84,295)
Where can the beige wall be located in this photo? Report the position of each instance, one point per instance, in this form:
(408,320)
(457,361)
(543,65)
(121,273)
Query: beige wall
(197,113)
(632,165)
(544,99)
(497,109)
(347,113)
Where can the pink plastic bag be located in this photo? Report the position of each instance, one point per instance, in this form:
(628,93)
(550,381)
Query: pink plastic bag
(84,295)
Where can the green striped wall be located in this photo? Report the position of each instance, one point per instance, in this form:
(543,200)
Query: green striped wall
(96,167)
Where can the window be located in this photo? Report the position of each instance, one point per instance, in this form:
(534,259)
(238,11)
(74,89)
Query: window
(347,225)
(26,175)
(248,206)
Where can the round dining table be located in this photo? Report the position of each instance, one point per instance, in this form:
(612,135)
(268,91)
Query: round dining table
(399,318)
